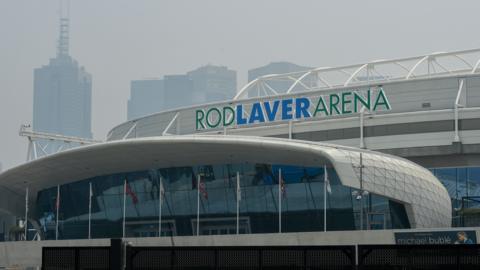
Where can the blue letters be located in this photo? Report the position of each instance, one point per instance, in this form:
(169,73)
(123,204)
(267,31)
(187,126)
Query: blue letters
(287,109)
(240,119)
(257,114)
(301,107)
(271,112)
(291,108)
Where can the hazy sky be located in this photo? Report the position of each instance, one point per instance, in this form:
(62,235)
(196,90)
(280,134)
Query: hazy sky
(120,40)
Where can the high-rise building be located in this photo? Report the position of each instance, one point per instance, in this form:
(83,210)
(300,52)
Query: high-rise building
(202,85)
(62,102)
(146,97)
(178,91)
(213,83)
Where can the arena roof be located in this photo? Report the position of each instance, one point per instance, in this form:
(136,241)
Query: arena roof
(426,200)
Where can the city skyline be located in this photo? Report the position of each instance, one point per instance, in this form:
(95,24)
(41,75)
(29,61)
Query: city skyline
(143,39)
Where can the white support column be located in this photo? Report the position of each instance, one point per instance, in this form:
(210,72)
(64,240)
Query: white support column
(124,206)
(459,102)
(35,155)
(290,129)
(30,149)
(362,123)
(25,225)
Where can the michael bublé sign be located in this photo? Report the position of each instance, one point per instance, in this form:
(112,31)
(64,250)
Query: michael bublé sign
(455,237)
(293,108)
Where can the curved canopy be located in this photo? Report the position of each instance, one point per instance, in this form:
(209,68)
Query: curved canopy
(426,200)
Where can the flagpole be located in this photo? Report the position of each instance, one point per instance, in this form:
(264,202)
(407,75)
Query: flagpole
(58,207)
(124,206)
(325,198)
(26,214)
(160,198)
(238,202)
(280,200)
(198,205)
(90,194)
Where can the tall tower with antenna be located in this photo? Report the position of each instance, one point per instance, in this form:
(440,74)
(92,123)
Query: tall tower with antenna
(64,29)
(63,89)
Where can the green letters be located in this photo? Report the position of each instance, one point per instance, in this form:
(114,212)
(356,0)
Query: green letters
(321,107)
(358,97)
(334,99)
(381,100)
(200,115)
(345,102)
(225,118)
(340,103)
(219,118)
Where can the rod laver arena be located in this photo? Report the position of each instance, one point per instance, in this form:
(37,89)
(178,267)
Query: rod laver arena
(385,145)
(297,108)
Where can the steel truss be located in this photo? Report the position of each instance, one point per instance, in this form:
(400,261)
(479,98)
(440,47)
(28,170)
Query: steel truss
(43,144)
(425,66)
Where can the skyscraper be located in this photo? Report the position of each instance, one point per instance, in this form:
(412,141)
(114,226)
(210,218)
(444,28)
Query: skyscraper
(213,83)
(62,102)
(178,91)
(146,97)
(202,85)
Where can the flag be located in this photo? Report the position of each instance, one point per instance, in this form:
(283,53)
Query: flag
(283,187)
(203,189)
(194,181)
(162,190)
(327,182)
(57,207)
(239,191)
(132,194)
(57,201)
(90,195)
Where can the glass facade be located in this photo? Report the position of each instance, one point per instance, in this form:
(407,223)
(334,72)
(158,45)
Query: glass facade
(463,186)
(302,203)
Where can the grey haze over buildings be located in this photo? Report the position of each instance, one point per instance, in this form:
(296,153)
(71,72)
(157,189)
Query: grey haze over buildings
(118,41)
(62,93)
(202,85)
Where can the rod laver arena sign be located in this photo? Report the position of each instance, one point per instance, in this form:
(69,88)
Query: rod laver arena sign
(294,108)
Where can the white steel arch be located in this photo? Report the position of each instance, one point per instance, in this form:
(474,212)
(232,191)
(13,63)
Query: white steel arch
(424,66)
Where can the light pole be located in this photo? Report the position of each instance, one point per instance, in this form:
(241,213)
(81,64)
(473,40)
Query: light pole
(359,194)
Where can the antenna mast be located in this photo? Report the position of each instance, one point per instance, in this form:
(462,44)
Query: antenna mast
(64,29)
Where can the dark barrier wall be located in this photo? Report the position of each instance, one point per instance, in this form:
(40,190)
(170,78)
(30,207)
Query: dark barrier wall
(76,258)
(371,257)
(407,257)
(300,257)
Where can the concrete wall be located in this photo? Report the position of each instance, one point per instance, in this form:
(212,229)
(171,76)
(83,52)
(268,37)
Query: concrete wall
(29,254)
(25,254)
